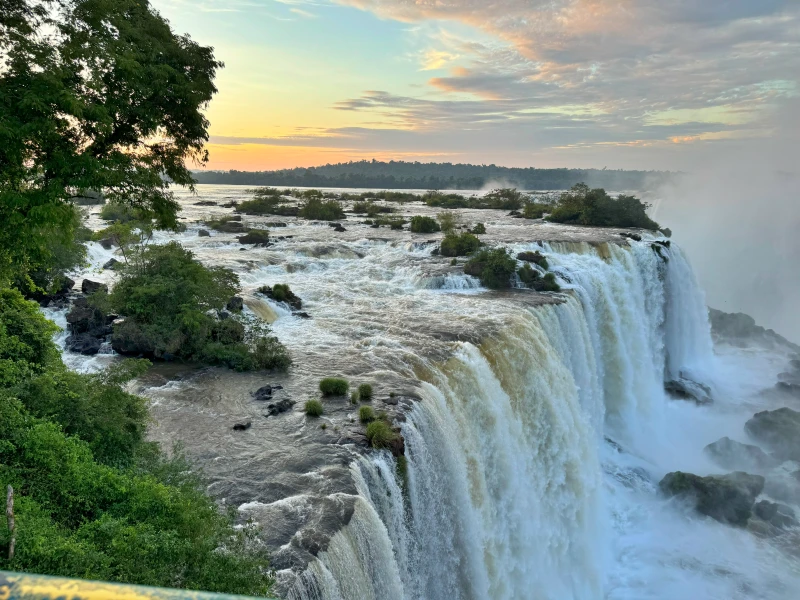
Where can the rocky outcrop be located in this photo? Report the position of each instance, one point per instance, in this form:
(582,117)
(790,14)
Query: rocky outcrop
(242,426)
(733,455)
(778,515)
(738,328)
(533,257)
(90,287)
(684,388)
(88,327)
(235,304)
(265,393)
(203,233)
(777,430)
(725,498)
(255,236)
(281,406)
(282,293)
(111,263)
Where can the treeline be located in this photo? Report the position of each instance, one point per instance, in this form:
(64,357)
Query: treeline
(437,176)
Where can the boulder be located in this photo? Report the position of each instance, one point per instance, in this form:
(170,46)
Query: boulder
(83,318)
(733,455)
(111,263)
(235,304)
(242,426)
(533,257)
(725,498)
(107,243)
(66,287)
(632,236)
(203,233)
(777,430)
(278,407)
(84,343)
(302,314)
(339,229)
(684,388)
(90,287)
(205,203)
(265,393)
(255,236)
(779,515)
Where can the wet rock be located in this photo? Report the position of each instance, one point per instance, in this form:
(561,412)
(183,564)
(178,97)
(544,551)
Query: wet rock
(738,328)
(204,233)
(725,498)
(301,314)
(632,236)
(684,388)
(281,293)
(779,515)
(223,314)
(667,232)
(84,343)
(515,214)
(732,455)
(66,287)
(339,229)
(205,203)
(777,430)
(265,393)
(235,304)
(90,287)
(83,318)
(397,446)
(242,426)
(255,236)
(533,257)
(111,263)
(279,407)
(107,243)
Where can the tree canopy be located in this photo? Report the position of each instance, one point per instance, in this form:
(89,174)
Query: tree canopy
(94,95)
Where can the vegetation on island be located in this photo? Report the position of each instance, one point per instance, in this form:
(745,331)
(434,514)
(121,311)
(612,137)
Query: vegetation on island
(459,244)
(314,408)
(493,267)
(333,386)
(584,206)
(421,224)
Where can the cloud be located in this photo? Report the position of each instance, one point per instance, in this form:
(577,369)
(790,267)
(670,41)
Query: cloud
(303,13)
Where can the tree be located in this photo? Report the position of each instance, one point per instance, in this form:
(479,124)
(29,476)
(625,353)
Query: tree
(94,94)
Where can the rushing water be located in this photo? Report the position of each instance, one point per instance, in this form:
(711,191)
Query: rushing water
(536,427)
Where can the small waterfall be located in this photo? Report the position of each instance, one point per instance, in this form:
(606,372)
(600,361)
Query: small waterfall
(503,497)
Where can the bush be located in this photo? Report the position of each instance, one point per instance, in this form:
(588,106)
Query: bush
(255,236)
(534,257)
(479,229)
(365,391)
(436,198)
(380,434)
(459,244)
(121,213)
(354,397)
(314,408)
(333,386)
(228,224)
(493,267)
(420,224)
(503,198)
(535,210)
(584,206)
(371,209)
(321,210)
(528,275)
(366,414)
(268,201)
(280,292)
(548,284)
(448,221)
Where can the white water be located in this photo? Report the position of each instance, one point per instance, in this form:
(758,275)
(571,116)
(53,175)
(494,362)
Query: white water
(512,491)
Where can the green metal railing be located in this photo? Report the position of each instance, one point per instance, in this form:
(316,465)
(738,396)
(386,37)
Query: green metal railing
(26,586)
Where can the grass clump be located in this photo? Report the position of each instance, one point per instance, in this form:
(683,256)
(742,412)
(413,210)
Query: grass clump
(365,392)
(354,397)
(442,200)
(366,414)
(460,244)
(548,284)
(584,206)
(314,408)
(318,209)
(380,433)
(493,267)
(421,224)
(333,386)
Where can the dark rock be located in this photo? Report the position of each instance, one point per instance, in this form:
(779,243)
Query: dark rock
(334,225)
(397,446)
(725,498)
(779,515)
(231,204)
(66,287)
(107,243)
(203,233)
(278,407)
(632,236)
(667,232)
(205,203)
(514,213)
(686,389)
(265,393)
(339,228)
(281,293)
(90,287)
(255,236)
(235,304)
(534,257)
(223,314)
(778,430)
(84,343)
(242,426)
(83,318)
(739,327)
(301,314)
(111,263)
(732,455)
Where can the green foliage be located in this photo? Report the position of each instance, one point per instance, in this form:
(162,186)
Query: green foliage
(503,198)
(354,397)
(528,275)
(460,244)
(420,224)
(227,224)
(493,267)
(448,221)
(442,200)
(333,386)
(371,209)
(255,236)
(584,206)
(366,414)
(380,433)
(535,210)
(122,213)
(534,257)
(314,408)
(479,229)
(93,95)
(549,283)
(321,210)
(365,391)
(267,204)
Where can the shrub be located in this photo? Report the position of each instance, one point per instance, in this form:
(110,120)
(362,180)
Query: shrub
(227,224)
(255,236)
(436,198)
(528,275)
(314,408)
(355,397)
(479,229)
(333,386)
(535,210)
(281,292)
(420,224)
(534,257)
(549,284)
(371,209)
(365,391)
(380,434)
(583,206)
(493,267)
(503,198)
(321,210)
(121,213)
(459,244)
(448,221)
(366,414)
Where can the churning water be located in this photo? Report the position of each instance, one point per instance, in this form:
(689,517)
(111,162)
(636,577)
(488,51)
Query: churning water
(536,426)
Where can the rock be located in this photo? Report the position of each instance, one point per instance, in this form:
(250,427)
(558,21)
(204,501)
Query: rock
(203,233)
(235,304)
(733,455)
(255,236)
(278,407)
(667,232)
(205,203)
(339,228)
(778,430)
(111,263)
(301,314)
(223,314)
(107,243)
(90,287)
(739,328)
(397,446)
(534,257)
(242,426)
(725,498)
(83,318)
(514,213)
(84,343)
(632,236)
(281,293)
(265,392)
(779,515)
(686,389)
(66,287)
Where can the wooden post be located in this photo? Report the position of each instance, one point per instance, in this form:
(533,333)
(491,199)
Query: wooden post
(11,526)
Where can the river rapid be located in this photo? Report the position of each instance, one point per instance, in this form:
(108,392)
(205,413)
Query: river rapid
(536,426)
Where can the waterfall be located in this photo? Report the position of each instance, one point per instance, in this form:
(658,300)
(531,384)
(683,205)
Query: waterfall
(504,497)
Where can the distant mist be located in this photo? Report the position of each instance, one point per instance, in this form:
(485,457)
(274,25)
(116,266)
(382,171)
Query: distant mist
(738,217)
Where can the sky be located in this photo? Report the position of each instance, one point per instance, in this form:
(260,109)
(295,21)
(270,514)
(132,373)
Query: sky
(636,84)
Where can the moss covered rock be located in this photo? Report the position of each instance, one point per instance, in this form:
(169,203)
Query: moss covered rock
(725,498)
